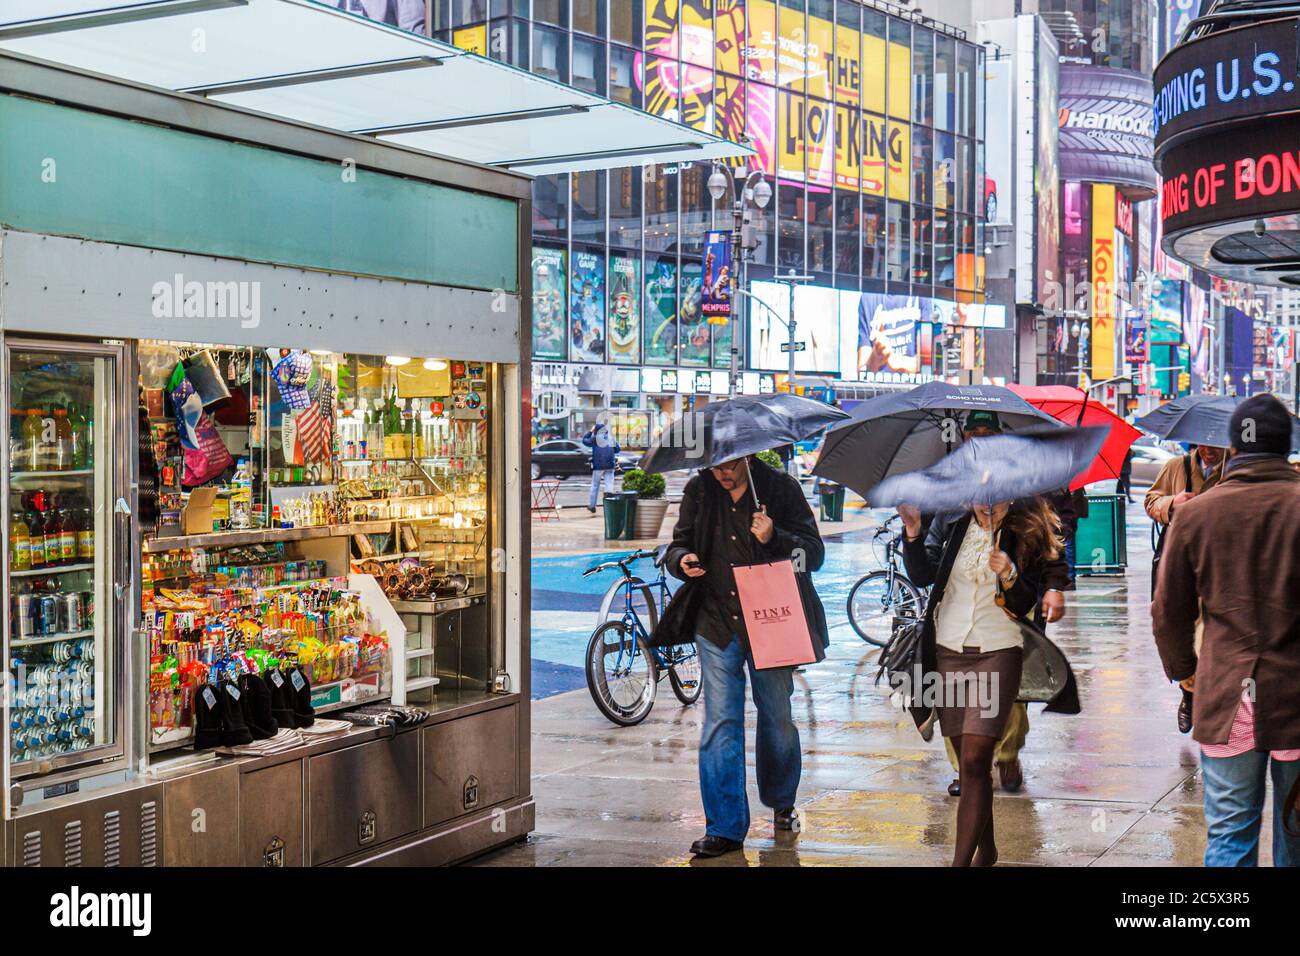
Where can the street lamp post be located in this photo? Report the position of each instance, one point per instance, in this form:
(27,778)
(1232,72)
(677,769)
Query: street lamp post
(754,193)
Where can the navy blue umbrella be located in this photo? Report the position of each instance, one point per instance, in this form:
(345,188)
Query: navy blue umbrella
(1200,420)
(985,471)
(904,431)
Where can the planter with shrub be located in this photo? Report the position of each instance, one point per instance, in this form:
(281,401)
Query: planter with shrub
(651,505)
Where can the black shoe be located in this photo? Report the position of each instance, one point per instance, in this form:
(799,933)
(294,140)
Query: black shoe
(787,820)
(954,788)
(1185,714)
(715,846)
(591,509)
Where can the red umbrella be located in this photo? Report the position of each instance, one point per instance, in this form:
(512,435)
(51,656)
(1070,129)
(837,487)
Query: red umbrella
(1072,406)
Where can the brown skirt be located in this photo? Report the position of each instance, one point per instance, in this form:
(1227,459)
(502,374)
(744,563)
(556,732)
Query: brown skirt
(978,690)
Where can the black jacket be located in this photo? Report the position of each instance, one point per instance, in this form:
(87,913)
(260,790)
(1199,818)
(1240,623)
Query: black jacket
(795,530)
(929,560)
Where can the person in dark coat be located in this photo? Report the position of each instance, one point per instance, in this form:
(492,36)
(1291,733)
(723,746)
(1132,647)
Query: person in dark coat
(720,526)
(988,568)
(1232,559)
(604,461)
(1124,485)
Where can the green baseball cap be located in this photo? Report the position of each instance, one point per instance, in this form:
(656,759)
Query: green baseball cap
(982,419)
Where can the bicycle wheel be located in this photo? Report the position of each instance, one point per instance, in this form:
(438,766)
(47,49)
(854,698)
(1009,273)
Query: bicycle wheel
(621,673)
(873,605)
(684,672)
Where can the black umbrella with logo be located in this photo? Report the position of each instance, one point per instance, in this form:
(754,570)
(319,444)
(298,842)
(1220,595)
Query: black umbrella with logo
(906,431)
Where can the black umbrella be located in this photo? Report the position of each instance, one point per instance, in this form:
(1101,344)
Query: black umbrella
(727,430)
(905,431)
(984,471)
(1200,420)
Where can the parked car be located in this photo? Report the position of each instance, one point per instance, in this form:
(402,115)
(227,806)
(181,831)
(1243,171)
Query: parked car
(1147,462)
(564,457)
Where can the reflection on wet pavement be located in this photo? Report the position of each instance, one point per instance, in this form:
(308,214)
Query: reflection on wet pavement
(1114,786)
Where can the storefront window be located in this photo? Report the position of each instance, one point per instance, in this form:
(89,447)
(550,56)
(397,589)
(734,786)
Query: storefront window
(623,329)
(847,247)
(945,249)
(922,76)
(873,238)
(945,170)
(519,45)
(945,82)
(625,207)
(965,176)
(790,226)
(661,209)
(589,206)
(551,206)
(899,63)
(551,11)
(623,84)
(662,87)
(922,246)
(589,65)
(761,50)
(821,229)
(873,60)
(697,205)
(694,331)
(587,305)
(660,328)
(625,22)
(589,16)
(465,12)
(922,164)
(729,36)
(898,243)
(967,91)
(551,53)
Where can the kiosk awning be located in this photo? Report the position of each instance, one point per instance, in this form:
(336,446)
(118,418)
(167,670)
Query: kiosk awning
(305,61)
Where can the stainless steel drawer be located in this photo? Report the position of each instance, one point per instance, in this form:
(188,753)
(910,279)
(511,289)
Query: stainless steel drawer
(469,763)
(363,796)
(270,816)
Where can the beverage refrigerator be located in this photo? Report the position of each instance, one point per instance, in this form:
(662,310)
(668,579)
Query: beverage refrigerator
(66,499)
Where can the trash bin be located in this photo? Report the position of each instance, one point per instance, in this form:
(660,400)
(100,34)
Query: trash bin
(1100,543)
(832,500)
(615,505)
(629,515)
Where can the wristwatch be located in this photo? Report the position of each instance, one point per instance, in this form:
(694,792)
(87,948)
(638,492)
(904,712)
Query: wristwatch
(1011,576)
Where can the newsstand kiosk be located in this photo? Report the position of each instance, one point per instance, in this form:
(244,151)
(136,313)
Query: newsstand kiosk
(266,387)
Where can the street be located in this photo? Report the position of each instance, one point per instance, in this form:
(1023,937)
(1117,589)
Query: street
(1116,785)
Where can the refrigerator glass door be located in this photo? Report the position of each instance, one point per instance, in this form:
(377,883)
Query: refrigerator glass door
(68,529)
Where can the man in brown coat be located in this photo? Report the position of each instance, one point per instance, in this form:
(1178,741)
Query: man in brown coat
(1232,556)
(1180,480)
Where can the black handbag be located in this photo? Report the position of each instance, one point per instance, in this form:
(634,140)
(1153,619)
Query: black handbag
(903,652)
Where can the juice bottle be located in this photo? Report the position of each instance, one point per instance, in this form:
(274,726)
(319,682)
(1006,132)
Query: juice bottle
(35,539)
(63,442)
(80,425)
(20,543)
(52,532)
(68,526)
(86,535)
(31,440)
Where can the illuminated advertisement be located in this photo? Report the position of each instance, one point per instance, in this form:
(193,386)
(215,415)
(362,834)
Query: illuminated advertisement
(1106,124)
(549,299)
(886,149)
(1000,143)
(587,308)
(677,65)
(1103,281)
(888,325)
(661,311)
(1048,169)
(691,326)
(1135,339)
(715,301)
(817,326)
(624,325)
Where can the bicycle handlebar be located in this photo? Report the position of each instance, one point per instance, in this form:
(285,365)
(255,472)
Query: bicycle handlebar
(622,562)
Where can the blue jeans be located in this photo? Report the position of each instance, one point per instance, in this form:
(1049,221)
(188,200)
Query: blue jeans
(722,739)
(596,475)
(1234,808)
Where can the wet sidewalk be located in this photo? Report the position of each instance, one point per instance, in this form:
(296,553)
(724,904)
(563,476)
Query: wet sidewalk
(1114,786)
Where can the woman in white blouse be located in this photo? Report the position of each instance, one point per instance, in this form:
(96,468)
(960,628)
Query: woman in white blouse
(987,567)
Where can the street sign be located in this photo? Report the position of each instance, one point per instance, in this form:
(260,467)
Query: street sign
(793,346)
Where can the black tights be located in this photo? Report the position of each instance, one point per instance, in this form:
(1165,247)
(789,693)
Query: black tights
(974,843)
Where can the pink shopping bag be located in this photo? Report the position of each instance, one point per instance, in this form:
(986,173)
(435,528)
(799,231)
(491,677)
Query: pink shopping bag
(775,621)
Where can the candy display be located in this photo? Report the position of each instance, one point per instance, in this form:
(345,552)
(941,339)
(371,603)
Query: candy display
(281,622)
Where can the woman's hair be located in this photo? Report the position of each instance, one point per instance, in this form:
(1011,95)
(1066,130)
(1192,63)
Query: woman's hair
(1037,529)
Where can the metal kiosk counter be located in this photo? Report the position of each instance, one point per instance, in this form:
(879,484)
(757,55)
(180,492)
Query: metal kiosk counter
(139,223)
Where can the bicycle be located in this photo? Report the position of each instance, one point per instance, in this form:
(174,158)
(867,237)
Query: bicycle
(884,596)
(623,670)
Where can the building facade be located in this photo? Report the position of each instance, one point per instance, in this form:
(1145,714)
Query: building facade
(868,126)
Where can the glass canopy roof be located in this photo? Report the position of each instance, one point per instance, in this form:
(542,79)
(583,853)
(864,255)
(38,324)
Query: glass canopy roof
(304,61)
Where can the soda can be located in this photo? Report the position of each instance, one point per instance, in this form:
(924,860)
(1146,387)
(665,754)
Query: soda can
(70,613)
(47,615)
(25,615)
(87,610)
